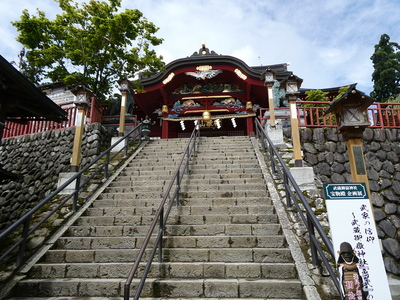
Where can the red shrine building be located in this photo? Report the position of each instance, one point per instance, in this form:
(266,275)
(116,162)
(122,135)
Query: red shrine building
(220,93)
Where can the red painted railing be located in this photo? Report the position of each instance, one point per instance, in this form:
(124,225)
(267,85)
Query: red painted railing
(312,114)
(93,115)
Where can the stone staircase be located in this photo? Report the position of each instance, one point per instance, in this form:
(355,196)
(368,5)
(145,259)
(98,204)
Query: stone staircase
(224,241)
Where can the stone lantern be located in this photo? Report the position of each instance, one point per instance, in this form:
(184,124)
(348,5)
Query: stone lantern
(269,79)
(82,103)
(292,85)
(350,111)
(124,87)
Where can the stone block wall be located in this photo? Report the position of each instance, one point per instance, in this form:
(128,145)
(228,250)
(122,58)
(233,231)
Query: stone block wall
(39,158)
(326,152)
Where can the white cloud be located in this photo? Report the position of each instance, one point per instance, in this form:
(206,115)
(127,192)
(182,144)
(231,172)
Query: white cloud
(328,43)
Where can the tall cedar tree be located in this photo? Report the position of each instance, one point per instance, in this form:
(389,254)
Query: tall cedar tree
(89,43)
(386,75)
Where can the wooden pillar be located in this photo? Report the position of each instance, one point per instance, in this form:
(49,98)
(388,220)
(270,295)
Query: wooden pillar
(357,162)
(249,120)
(249,126)
(165,123)
(272,121)
(79,128)
(294,122)
(121,129)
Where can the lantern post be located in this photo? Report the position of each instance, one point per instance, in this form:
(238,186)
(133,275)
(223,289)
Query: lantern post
(292,84)
(124,87)
(82,102)
(303,175)
(269,78)
(350,111)
(273,128)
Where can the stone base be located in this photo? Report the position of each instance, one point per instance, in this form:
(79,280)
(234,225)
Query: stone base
(64,177)
(120,146)
(275,134)
(394,285)
(304,177)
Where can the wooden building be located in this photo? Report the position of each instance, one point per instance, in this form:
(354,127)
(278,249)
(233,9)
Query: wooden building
(218,92)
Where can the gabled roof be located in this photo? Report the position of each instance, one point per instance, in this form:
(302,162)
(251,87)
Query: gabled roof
(160,87)
(20,99)
(352,94)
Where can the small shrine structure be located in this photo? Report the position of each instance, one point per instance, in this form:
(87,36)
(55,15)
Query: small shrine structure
(219,93)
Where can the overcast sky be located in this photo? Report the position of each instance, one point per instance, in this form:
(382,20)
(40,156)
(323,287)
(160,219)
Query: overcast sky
(328,43)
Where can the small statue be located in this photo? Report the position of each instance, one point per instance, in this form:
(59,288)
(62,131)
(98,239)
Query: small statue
(351,280)
(146,127)
(278,94)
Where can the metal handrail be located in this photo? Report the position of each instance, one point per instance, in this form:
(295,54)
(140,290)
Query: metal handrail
(161,218)
(95,169)
(295,196)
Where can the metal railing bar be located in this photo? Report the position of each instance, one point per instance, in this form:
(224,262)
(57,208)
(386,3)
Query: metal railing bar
(25,220)
(307,216)
(176,177)
(326,262)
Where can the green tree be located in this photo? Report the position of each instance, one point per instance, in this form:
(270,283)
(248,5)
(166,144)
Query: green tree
(386,75)
(89,43)
(317,95)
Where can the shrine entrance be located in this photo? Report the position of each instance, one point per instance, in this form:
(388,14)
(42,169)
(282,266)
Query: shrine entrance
(219,93)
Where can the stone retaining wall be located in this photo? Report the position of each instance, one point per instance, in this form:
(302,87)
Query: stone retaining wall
(326,152)
(39,158)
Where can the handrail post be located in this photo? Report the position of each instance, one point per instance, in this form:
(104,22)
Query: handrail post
(187,161)
(161,229)
(178,187)
(76,193)
(272,159)
(127,291)
(126,146)
(286,183)
(24,239)
(311,231)
(106,164)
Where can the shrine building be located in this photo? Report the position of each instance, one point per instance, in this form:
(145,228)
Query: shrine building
(220,93)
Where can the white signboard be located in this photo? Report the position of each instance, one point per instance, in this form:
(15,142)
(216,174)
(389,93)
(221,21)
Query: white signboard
(362,272)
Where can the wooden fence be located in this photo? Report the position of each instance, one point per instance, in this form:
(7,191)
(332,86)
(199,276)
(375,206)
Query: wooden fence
(312,114)
(13,129)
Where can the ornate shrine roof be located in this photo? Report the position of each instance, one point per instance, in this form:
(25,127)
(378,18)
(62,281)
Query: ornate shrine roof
(206,75)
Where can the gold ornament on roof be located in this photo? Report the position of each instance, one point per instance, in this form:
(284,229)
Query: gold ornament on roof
(204,68)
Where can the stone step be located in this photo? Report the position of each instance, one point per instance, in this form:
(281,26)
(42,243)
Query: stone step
(224,241)
(171,288)
(183,219)
(182,210)
(203,175)
(256,255)
(181,230)
(224,165)
(195,159)
(129,242)
(228,171)
(125,200)
(194,184)
(140,182)
(218,219)
(166,270)
(238,191)
(120,298)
